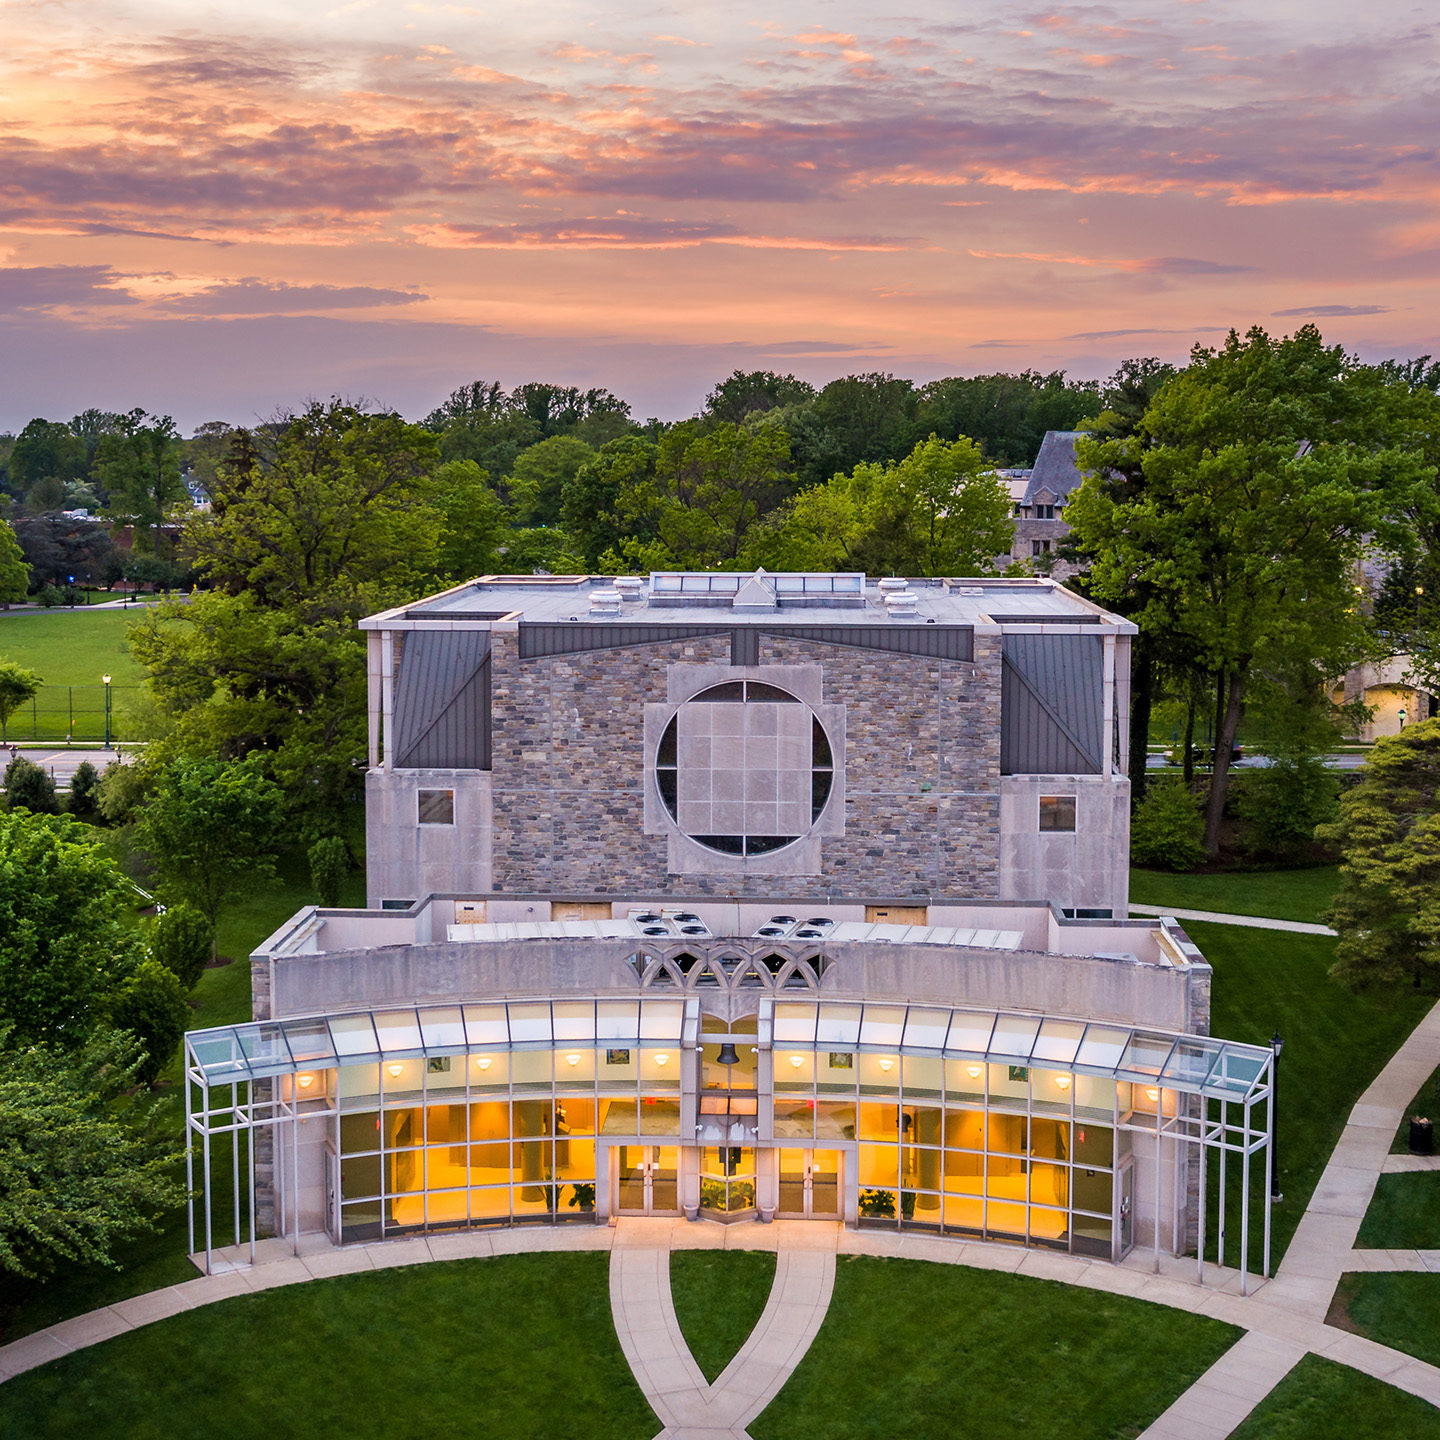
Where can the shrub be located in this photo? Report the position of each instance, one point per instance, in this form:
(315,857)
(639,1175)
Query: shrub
(50,597)
(329,865)
(152,1007)
(83,787)
(28,787)
(1168,828)
(122,787)
(182,941)
(1281,805)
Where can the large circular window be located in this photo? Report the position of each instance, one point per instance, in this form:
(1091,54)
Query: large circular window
(744,768)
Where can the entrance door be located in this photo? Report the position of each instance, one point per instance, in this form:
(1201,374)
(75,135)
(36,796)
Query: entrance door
(810,1184)
(727,1182)
(648,1180)
(1127,1211)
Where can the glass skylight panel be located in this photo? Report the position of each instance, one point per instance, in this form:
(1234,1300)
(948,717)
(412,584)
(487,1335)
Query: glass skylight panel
(308,1040)
(617,1019)
(486,1025)
(1102,1047)
(925,1029)
(443,1029)
(218,1053)
(882,1025)
(574,1020)
(530,1022)
(1014,1035)
(1237,1071)
(398,1030)
(354,1035)
(1058,1041)
(795,1024)
(661,1019)
(1147,1053)
(838,1025)
(1191,1060)
(263,1044)
(970,1032)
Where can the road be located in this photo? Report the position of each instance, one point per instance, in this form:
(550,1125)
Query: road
(1258,762)
(61,763)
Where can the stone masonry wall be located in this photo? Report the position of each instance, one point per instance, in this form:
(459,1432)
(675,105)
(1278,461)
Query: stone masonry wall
(922,769)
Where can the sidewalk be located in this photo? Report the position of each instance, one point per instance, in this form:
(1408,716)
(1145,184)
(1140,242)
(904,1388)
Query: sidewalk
(1256,922)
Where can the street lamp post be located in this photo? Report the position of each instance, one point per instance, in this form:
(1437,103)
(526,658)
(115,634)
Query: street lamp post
(1276,1046)
(106,679)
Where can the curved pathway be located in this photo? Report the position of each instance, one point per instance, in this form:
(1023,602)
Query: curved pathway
(689,1407)
(1254,922)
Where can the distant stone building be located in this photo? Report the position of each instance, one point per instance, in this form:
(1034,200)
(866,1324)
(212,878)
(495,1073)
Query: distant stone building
(1039,509)
(1389,689)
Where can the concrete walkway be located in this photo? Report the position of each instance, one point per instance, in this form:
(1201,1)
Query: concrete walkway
(689,1408)
(1254,922)
(1321,1251)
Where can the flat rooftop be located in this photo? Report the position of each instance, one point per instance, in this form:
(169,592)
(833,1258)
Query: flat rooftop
(751,598)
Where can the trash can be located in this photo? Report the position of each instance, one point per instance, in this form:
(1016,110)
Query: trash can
(1422,1136)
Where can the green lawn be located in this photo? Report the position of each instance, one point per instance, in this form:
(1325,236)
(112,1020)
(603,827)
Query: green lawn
(1396,1308)
(924,1350)
(1404,1213)
(155,1260)
(1335,1045)
(1426,1103)
(719,1296)
(1281,894)
(518,1346)
(69,650)
(1320,1400)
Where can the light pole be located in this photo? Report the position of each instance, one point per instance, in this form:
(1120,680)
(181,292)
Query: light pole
(1276,1046)
(106,679)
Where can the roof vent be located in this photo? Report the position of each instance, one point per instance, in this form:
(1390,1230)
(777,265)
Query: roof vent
(902,605)
(604,604)
(892,584)
(631,587)
(755,593)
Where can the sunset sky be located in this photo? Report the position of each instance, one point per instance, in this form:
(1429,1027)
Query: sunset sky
(213,211)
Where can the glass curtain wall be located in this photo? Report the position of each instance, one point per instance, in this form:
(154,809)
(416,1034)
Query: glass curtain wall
(1023,1153)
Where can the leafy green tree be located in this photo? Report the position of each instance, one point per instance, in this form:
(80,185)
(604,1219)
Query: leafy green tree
(47,450)
(213,830)
(17,685)
(613,498)
(1283,803)
(1005,415)
(138,462)
(473,522)
(479,424)
(341,500)
(541,474)
(84,785)
(1387,911)
(28,787)
(745,393)
(939,511)
(856,420)
(92,426)
(122,787)
(151,1005)
(14,572)
(183,941)
(1267,466)
(1167,829)
(64,949)
(329,865)
(80,1170)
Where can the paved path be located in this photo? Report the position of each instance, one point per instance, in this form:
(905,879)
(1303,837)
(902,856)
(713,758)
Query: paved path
(689,1408)
(1409,1164)
(1321,1251)
(1255,922)
(62,763)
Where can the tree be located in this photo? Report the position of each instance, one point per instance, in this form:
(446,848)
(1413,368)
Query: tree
(329,865)
(853,421)
(14,572)
(183,941)
(939,511)
(611,498)
(1005,415)
(745,393)
(213,830)
(473,522)
(77,1173)
(151,1006)
(84,785)
(28,787)
(64,950)
(47,450)
(17,685)
(541,474)
(1266,467)
(1387,911)
(139,464)
(1168,829)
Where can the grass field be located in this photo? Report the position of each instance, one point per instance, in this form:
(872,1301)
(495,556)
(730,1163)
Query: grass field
(1320,1400)
(1426,1103)
(69,650)
(1335,1043)
(1282,894)
(1399,1308)
(520,1346)
(916,1349)
(1404,1214)
(221,998)
(719,1296)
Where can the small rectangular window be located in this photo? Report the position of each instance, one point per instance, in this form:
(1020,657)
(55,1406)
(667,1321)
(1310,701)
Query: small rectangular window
(437,807)
(1035,547)
(396,904)
(1057,812)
